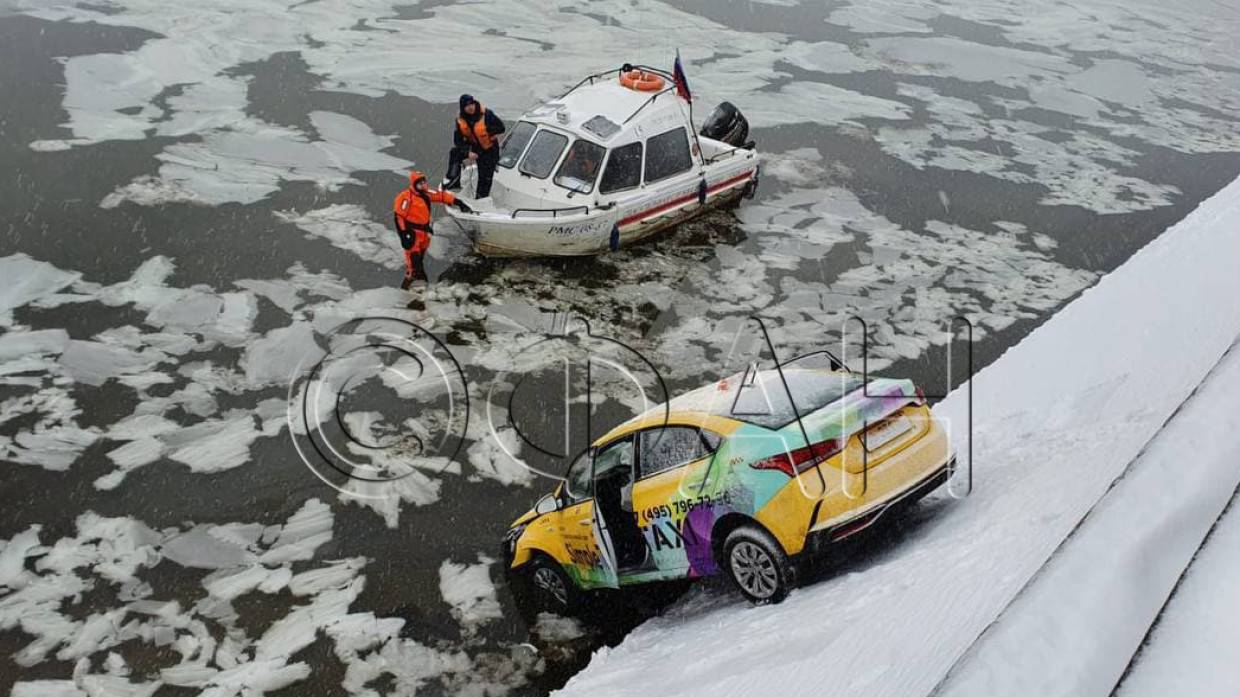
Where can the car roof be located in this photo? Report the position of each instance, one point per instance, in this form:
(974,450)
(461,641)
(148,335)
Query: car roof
(710,406)
(711,422)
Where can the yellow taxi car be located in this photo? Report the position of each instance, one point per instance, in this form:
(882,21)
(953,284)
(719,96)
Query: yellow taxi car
(740,476)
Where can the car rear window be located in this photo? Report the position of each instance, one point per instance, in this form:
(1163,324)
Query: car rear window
(764,401)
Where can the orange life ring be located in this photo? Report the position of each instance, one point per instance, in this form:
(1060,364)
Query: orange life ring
(641,81)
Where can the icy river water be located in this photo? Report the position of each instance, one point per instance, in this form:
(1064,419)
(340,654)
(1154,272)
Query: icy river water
(195,197)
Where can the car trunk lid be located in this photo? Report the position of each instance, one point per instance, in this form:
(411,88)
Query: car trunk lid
(868,423)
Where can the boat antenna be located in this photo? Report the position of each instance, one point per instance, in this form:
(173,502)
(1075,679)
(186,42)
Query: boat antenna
(693,125)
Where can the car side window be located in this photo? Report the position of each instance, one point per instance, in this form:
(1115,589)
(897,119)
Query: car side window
(667,154)
(666,448)
(612,457)
(624,169)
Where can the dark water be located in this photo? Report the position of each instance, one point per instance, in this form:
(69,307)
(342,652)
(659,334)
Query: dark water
(50,212)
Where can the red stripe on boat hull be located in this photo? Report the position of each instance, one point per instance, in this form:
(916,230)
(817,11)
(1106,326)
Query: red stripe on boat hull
(672,204)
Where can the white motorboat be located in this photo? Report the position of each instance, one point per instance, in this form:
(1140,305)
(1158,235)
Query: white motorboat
(612,161)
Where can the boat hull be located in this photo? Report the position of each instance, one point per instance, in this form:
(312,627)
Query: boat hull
(599,231)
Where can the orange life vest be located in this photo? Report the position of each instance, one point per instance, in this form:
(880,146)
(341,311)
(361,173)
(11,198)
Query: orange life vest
(478,135)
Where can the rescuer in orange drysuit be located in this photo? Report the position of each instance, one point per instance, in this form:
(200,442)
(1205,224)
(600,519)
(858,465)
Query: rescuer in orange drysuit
(411,214)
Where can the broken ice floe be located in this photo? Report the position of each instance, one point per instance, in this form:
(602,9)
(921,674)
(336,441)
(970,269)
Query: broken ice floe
(1144,88)
(469,590)
(42,588)
(116,551)
(276,358)
(349,227)
(493,456)
(27,280)
(49,362)
(1079,169)
(249,160)
(239,558)
(802,167)
(55,440)
(554,628)
(908,286)
(184,424)
(386,497)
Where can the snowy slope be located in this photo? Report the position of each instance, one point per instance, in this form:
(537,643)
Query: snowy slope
(1195,648)
(1075,627)
(1057,419)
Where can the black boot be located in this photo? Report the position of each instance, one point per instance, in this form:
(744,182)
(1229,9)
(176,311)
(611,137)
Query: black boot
(452,180)
(404,285)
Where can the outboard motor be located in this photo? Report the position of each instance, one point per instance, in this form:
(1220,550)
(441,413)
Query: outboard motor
(727,124)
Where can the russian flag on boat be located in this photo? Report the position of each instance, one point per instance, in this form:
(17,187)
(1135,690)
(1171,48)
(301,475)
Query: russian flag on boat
(682,84)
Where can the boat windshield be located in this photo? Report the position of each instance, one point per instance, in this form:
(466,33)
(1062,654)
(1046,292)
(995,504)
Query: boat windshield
(515,144)
(580,167)
(544,152)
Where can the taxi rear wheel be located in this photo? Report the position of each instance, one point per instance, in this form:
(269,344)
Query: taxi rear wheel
(757,565)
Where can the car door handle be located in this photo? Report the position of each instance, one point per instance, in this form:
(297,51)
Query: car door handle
(586,521)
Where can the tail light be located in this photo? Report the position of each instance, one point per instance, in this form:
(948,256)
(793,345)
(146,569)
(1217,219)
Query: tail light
(921,396)
(801,459)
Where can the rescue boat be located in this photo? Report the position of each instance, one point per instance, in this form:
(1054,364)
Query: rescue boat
(613,160)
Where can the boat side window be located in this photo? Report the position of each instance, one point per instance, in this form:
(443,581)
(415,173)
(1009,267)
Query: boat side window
(544,152)
(515,144)
(580,167)
(667,154)
(624,169)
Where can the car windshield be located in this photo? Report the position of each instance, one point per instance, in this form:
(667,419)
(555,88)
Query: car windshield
(580,167)
(763,401)
(613,457)
(577,479)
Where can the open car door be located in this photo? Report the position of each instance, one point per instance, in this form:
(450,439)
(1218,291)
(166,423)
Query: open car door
(586,544)
(613,473)
(605,570)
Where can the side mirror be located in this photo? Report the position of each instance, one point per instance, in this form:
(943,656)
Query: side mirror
(547,504)
(626,497)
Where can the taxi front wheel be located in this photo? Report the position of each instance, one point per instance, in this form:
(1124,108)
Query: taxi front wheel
(552,588)
(757,565)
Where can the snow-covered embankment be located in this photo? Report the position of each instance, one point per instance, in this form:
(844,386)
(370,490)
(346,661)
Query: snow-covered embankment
(1057,420)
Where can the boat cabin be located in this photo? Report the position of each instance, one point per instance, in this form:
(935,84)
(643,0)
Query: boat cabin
(593,144)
